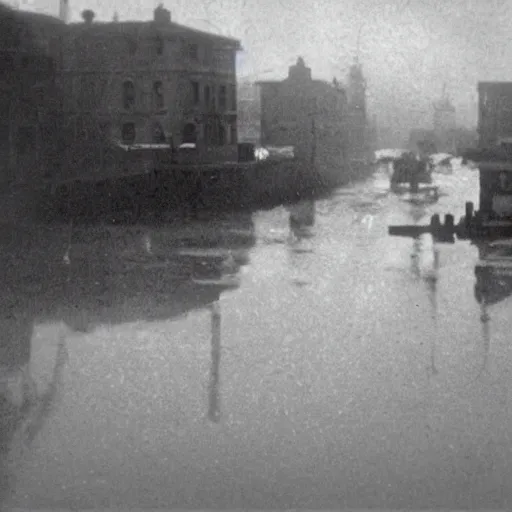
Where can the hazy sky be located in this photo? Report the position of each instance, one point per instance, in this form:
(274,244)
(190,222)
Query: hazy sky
(408,48)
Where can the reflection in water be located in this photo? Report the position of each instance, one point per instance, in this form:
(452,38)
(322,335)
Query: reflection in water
(301,220)
(214,405)
(129,273)
(493,284)
(302,217)
(22,409)
(430,278)
(110,275)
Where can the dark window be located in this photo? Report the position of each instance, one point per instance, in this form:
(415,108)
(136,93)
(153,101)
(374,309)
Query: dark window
(206,134)
(105,129)
(207,95)
(132,45)
(222,97)
(159,45)
(189,133)
(207,55)
(195,92)
(214,97)
(193,51)
(26,140)
(233,133)
(128,94)
(158,95)
(128,133)
(233,97)
(158,134)
(222,135)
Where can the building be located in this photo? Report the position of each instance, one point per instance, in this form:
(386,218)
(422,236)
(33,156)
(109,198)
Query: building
(30,99)
(249,112)
(357,124)
(290,107)
(150,82)
(444,122)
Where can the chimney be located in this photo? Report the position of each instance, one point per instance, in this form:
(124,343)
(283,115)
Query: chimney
(88,16)
(63,10)
(161,15)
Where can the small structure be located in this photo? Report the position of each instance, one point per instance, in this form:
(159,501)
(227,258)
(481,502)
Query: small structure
(494,218)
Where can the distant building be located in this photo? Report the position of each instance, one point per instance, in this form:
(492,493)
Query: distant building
(291,106)
(357,122)
(249,112)
(150,82)
(444,124)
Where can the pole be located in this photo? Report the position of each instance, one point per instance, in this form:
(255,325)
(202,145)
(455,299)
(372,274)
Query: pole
(214,405)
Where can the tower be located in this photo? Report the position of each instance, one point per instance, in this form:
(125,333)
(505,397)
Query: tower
(356,104)
(64,10)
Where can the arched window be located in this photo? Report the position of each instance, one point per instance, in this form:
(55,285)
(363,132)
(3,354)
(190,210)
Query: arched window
(128,133)
(128,94)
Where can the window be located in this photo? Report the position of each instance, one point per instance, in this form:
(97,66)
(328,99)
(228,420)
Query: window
(193,51)
(132,45)
(159,45)
(222,135)
(128,133)
(232,97)
(214,97)
(158,134)
(206,134)
(207,55)
(207,95)
(128,94)
(105,129)
(233,133)
(195,92)
(222,97)
(189,133)
(158,95)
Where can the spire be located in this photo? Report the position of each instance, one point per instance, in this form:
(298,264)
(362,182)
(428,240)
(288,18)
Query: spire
(115,17)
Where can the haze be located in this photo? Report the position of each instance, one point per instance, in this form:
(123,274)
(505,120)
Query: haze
(409,49)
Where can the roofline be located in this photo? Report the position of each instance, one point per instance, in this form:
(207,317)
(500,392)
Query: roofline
(172,26)
(494,84)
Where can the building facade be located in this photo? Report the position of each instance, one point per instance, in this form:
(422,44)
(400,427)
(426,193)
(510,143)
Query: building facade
(30,100)
(292,108)
(150,82)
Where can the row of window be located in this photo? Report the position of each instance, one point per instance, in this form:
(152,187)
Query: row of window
(191,50)
(214,97)
(210,96)
(129,93)
(215,134)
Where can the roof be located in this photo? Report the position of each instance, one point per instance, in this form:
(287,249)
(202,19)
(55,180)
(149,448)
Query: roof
(494,85)
(150,27)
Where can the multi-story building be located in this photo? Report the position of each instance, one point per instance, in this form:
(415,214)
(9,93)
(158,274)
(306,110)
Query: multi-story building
(150,82)
(29,95)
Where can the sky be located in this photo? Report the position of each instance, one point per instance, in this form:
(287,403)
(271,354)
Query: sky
(408,48)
